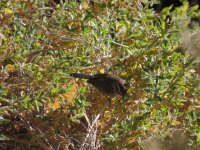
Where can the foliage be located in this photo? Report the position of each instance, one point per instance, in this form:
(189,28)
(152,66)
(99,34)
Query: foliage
(42,107)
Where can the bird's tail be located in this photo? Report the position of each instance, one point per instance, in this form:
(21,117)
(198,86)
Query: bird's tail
(82,76)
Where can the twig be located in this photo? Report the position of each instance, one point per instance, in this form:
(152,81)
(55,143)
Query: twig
(91,124)
(100,112)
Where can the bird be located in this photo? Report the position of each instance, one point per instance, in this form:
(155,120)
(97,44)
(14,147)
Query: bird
(110,85)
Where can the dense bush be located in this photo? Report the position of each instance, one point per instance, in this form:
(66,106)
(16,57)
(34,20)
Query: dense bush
(41,106)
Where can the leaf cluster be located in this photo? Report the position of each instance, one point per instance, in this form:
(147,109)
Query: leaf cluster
(41,106)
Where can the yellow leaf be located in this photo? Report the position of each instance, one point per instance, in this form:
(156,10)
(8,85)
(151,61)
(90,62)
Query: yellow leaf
(102,71)
(38,44)
(10,68)
(54,106)
(85,4)
(8,11)
(68,96)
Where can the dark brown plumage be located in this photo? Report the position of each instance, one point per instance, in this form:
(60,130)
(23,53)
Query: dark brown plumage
(110,85)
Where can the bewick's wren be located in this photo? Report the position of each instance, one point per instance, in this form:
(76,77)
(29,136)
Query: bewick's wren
(110,85)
